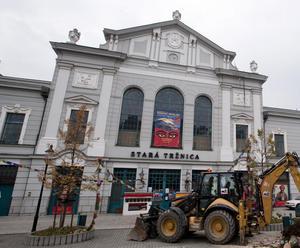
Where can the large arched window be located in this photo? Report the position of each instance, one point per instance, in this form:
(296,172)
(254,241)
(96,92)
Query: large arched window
(202,123)
(167,119)
(131,118)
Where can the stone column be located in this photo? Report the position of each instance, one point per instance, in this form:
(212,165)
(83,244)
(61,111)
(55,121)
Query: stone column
(226,149)
(97,147)
(56,107)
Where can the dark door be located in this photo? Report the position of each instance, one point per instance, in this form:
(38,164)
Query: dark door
(72,204)
(7,181)
(5,198)
(122,178)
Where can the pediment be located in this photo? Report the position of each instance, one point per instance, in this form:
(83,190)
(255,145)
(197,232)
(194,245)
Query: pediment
(144,30)
(81,99)
(243,116)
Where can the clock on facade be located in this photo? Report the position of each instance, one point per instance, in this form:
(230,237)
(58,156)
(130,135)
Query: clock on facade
(174,40)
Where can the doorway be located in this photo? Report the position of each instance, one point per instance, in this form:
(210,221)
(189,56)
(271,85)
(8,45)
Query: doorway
(122,175)
(73,201)
(8,176)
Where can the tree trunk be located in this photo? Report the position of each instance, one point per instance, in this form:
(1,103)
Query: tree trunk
(64,214)
(72,216)
(55,214)
(60,215)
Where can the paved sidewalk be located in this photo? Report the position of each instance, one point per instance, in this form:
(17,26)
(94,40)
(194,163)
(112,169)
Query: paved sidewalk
(112,230)
(117,238)
(23,224)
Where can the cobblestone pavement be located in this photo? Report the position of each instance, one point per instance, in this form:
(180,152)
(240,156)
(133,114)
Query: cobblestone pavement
(117,238)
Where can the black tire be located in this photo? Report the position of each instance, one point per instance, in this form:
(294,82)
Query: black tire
(170,226)
(219,227)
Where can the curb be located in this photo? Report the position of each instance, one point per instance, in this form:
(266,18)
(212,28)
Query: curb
(273,228)
(32,240)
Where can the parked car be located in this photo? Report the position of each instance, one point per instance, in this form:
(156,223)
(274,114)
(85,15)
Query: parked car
(291,204)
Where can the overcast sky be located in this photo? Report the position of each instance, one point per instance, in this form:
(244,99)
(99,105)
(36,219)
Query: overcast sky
(267,31)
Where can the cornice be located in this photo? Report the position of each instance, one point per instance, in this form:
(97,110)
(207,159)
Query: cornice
(23,83)
(279,112)
(240,74)
(59,47)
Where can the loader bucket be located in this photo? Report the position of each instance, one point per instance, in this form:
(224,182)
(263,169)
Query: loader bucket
(140,231)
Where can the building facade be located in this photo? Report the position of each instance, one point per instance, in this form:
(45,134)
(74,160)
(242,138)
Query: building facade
(166,103)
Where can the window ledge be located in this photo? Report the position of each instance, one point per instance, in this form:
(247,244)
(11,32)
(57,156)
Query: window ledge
(199,150)
(17,145)
(126,145)
(172,148)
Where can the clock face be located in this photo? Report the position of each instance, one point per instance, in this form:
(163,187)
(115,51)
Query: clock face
(174,40)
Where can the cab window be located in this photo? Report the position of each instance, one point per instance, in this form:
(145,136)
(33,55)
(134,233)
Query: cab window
(210,185)
(227,186)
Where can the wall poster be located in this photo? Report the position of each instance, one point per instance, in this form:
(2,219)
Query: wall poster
(280,195)
(167,130)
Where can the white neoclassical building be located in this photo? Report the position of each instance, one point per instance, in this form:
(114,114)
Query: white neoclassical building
(166,104)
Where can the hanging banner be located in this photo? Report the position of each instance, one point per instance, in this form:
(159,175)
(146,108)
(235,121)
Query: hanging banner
(167,129)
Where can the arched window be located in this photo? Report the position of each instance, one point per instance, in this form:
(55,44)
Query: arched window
(131,118)
(202,123)
(167,119)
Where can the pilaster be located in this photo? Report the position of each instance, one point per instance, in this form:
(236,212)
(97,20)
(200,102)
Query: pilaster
(191,59)
(257,110)
(155,45)
(226,148)
(97,147)
(56,107)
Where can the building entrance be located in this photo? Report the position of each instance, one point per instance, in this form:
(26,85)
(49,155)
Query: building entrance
(7,181)
(73,200)
(123,177)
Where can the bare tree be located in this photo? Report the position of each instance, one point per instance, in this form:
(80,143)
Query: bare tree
(67,164)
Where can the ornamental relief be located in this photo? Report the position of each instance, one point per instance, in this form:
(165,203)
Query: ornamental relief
(16,109)
(173,57)
(241,98)
(85,80)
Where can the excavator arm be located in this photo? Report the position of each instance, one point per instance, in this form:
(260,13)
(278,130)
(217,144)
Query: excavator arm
(289,161)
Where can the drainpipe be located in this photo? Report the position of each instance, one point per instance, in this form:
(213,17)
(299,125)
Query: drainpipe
(44,93)
(265,118)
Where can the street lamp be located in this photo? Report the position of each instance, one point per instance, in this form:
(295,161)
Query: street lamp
(36,216)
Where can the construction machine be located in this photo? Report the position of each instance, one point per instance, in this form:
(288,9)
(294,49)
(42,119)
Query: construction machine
(222,206)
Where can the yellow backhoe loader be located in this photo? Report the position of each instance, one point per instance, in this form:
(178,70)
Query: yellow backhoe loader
(221,206)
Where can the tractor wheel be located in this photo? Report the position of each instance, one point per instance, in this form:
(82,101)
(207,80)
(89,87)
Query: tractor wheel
(219,227)
(170,226)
